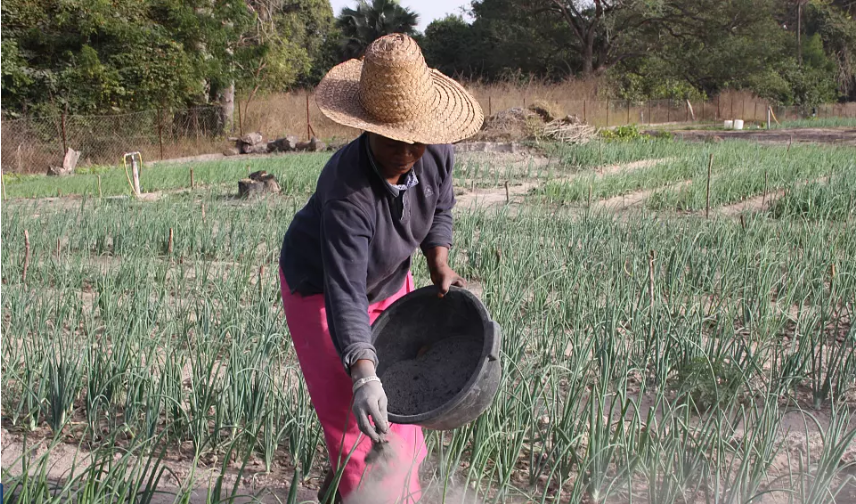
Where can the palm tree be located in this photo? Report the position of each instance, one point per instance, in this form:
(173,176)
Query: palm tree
(362,25)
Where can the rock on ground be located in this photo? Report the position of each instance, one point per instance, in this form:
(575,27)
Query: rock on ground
(69,162)
(257,184)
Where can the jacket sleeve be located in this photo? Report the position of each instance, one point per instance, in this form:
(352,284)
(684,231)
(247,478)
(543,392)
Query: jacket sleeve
(345,236)
(440,234)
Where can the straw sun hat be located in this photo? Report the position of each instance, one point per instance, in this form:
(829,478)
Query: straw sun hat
(392,92)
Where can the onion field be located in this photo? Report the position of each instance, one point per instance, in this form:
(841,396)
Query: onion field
(651,355)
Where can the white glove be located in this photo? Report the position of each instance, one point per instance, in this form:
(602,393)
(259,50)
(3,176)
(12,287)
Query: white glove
(370,400)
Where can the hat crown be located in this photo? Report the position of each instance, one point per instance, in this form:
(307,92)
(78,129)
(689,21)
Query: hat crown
(396,83)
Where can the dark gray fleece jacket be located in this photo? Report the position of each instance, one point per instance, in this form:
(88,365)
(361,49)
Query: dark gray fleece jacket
(354,239)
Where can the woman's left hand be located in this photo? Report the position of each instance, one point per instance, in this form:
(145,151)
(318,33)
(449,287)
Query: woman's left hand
(444,277)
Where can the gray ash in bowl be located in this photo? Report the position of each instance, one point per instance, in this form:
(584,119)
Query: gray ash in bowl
(431,379)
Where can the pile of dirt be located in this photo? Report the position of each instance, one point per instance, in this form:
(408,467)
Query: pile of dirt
(431,379)
(513,124)
(540,121)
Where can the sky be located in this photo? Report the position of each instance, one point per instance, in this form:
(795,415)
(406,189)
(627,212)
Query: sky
(428,10)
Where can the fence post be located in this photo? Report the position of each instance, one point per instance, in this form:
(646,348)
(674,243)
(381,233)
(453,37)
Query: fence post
(650,117)
(607,112)
(196,127)
(628,111)
(718,106)
(669,110)
(64,136)
(703,102)
(308,127)
(585,119)
(489,106)
(160,132)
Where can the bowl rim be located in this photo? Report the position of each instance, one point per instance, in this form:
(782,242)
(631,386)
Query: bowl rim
(475,377)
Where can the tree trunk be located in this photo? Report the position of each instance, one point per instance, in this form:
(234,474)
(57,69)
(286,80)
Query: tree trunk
(588,60)
(227,108)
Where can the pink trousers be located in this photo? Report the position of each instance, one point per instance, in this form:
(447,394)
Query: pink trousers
(330,391)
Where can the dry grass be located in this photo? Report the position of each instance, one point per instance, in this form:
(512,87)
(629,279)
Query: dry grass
(103,140)
(285,113)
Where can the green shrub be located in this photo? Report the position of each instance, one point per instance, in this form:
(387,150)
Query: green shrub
(623,133)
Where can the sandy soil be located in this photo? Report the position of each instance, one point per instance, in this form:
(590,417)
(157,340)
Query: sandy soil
(799,437)
(254,481)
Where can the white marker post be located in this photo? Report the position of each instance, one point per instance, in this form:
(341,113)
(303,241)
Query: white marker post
(136,170)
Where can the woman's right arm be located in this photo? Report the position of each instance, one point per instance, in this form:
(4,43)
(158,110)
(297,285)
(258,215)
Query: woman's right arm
(345,235)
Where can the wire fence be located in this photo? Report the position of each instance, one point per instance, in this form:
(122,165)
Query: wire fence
(33,144)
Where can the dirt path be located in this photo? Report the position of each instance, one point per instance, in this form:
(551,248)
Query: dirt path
(481,198)
(629,167)
(753,204)
(633,199)
(516,194)
(760,202)
(837,136)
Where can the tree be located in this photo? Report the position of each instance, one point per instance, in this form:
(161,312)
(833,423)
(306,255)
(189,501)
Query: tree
(364,24)
(94,56)
(603,30)
(449,45)
(836,27)
(504,42)
(91,56)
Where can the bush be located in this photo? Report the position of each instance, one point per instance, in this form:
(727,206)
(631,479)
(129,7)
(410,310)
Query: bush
(623,134)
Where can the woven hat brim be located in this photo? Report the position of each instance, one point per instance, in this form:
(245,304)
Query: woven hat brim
(454,116)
